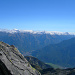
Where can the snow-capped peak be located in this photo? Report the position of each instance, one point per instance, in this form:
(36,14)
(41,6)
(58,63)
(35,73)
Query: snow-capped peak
(35,32)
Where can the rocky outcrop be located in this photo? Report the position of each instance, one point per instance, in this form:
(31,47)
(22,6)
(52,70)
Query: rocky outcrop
(12,62)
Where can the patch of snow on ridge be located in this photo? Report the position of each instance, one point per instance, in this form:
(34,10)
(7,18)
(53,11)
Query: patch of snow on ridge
(36,32)
(22,31)
(57,33)
(15,31)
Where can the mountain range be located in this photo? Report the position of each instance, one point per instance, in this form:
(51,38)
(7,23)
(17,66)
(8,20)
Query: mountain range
(50,47)
(12,62)
(36,32)
(62,53)
(27,40)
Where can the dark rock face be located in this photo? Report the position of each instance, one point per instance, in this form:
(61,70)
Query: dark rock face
(12,62)
(3,69)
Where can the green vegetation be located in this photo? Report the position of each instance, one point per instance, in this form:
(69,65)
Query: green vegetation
(36,63)
(54,66)
(33,68)
(15,49)
(0,42)
(10,60)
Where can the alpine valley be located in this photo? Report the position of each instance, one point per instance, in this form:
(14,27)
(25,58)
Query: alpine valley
(49,46)
(62,54)
(12,62)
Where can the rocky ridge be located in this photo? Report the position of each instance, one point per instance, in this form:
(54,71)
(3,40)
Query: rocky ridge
(37,64)
(14,62)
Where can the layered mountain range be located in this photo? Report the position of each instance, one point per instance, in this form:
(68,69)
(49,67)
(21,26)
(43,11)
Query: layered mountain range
(50,47)
(27,40)
(62,53)
(12,62)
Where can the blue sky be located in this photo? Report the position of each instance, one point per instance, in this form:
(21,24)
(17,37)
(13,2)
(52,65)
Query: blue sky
(48,15)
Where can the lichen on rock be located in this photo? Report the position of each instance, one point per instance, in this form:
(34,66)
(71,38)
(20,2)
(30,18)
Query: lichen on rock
(14,61)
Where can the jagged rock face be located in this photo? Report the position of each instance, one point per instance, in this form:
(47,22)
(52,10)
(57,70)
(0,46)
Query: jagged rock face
(14,62)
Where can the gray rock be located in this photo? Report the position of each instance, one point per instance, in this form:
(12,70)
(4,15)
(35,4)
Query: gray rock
(14,61)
